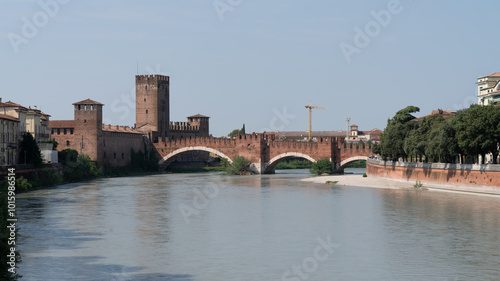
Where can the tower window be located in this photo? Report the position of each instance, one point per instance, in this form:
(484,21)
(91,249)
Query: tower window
(146,87)
(146,111)
(67,143)
(85,121)
(144,99)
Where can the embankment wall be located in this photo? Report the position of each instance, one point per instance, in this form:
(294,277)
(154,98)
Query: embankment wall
(468,174)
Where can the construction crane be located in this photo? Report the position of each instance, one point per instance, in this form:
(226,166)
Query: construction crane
(310,107)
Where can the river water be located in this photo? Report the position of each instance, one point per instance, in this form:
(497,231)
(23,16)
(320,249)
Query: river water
(208,226)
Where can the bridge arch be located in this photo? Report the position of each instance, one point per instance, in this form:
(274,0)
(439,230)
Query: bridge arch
(275,160)
(165,161)
(347,161)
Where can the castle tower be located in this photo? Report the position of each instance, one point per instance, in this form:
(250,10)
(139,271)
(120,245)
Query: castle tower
(88,128)
(202,122)
(152,104)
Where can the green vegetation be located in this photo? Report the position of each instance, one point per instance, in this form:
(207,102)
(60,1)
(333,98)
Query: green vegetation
(418,185)
(143,162)
(29,152)
(294,164)
(331,182)
(365,175)
(237,132)
(357,164)
(239,166)
(5,245)
(322,166)
(83,168)
(471,132)
(67,155)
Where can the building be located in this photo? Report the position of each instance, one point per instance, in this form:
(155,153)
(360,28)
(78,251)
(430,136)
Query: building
(152,111)
(354,135)
(34,121)
(443,113)
(112,145)
(106,144)
(9,138)
(488,89)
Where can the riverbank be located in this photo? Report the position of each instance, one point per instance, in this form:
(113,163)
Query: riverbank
(390,183)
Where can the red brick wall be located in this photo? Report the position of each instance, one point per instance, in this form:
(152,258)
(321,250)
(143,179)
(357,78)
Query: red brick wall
(152,95)
(117,148)
(481,175)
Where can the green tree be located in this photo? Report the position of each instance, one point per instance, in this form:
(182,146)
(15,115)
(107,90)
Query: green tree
(442,143)
(392,141)
(239,166)
(29,151)
(67,155)
(322,166)
(477,130)
(234,133)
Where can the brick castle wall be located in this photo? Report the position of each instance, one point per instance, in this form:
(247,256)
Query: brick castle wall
(152,103)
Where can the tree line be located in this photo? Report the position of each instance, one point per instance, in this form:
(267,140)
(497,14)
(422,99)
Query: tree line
(462,137)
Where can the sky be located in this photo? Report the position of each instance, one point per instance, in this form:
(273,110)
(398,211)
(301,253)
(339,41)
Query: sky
(253,62)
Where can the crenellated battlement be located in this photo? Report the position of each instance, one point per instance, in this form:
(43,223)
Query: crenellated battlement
(183,126)
(195,141)
(147,79)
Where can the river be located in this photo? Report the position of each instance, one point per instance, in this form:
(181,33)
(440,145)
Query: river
(209,226)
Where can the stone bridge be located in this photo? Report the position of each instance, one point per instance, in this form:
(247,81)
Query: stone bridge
(264,151)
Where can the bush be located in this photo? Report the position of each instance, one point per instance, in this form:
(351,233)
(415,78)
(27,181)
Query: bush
(68,155)
(22,184)
(84,168)
(239,166)
(365,175)
(322,166)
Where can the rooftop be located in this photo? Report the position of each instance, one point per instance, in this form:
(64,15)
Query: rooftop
(198,116)
(88,102)
(61,123)
(496,74)
(7,117)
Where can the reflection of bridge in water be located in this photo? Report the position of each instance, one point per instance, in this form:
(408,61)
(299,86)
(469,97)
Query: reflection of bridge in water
(264,151)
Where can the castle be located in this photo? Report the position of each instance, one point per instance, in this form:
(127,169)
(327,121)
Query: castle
(111,145)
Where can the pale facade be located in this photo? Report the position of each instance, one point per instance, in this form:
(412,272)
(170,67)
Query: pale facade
(8,140)
(488,89)
(488,92)
(29,120)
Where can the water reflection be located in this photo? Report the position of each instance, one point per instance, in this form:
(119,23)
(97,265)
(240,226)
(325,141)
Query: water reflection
(253,228)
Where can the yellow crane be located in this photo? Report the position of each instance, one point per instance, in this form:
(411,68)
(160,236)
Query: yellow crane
(310,107)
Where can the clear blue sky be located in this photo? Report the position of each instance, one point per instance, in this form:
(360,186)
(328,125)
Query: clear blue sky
(256,58)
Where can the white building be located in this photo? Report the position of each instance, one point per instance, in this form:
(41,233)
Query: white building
(29,120)
(488,89)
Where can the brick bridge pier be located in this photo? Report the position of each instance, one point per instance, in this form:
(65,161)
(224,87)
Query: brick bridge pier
(264,151)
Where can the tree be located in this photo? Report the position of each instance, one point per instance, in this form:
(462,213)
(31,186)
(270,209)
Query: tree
(234,133)
(239,166)
(29,151)
(322,166)
(67,155)
(477,130)
(392,141)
